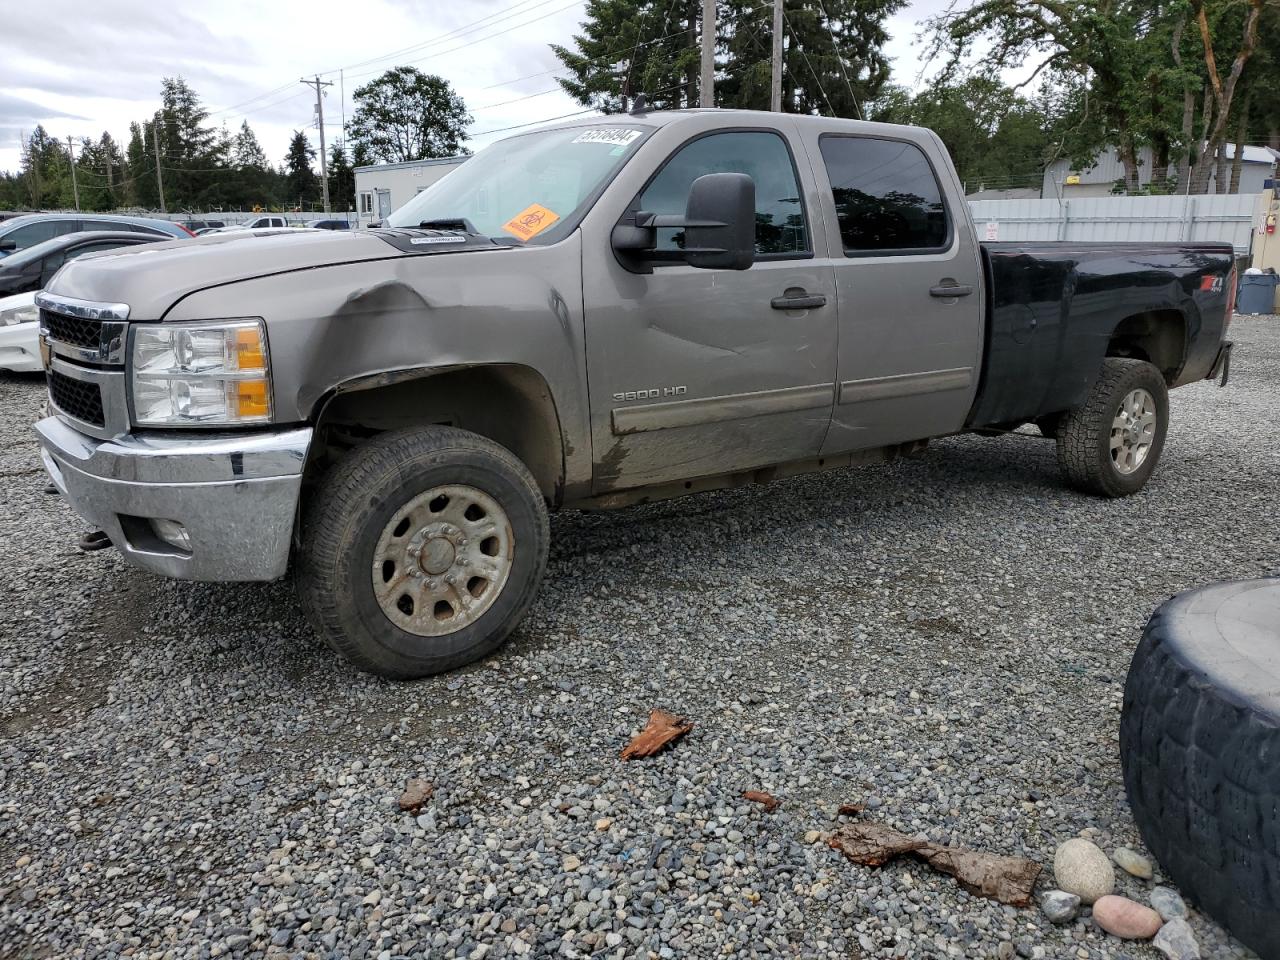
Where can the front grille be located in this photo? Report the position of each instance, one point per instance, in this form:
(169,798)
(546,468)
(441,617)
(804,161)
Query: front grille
(77,398)
(73,330)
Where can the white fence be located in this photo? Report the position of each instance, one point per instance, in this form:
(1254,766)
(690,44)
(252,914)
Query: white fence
(1228,218)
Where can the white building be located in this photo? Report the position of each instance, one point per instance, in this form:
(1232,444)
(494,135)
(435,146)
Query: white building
(385,187)
(1061,180)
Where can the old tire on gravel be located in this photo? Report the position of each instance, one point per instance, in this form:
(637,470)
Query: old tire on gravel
(1200,747)
(1110,445)
(421,551)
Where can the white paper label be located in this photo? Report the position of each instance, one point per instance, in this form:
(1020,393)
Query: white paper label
(420,241)
(993,231)
(610,136)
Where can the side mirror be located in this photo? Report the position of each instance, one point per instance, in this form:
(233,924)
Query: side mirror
(719,225)
(8,245)
(720,222)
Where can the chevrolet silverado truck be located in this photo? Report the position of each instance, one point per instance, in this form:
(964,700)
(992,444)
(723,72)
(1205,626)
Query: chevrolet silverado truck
(594,314)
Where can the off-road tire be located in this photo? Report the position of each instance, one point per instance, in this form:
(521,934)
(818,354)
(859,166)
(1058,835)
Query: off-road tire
(343,521)
(1084,434)
(1200,748)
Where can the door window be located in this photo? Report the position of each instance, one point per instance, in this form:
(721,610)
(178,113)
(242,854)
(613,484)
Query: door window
(886,195)
(34,233)
(781,230)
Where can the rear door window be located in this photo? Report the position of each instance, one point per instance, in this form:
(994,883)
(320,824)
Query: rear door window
(887,197)
(781,229)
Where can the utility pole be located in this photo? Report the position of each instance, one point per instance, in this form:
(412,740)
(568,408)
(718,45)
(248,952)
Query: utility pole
(155,139)
(707,93)
(324,161)
(775,94)
(75,187)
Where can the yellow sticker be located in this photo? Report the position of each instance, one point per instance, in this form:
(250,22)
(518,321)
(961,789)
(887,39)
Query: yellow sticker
(530,221)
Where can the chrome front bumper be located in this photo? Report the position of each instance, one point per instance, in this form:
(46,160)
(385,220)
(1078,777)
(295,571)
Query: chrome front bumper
(236,495)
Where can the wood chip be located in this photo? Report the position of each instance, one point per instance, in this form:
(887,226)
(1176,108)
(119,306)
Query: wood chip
(1006,879)
(416,794)
(850,809)
(662,729)
(768,800)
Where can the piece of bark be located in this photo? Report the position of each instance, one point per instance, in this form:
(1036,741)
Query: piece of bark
(1006,879)
(850,809)
(872,844)
(416,794)
(767,800)
(662,729)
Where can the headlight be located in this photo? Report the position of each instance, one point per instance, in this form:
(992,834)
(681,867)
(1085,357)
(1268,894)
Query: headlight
(25,312)
(201,374)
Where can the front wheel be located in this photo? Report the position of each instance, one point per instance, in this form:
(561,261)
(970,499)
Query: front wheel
(1111,444)
(422,551)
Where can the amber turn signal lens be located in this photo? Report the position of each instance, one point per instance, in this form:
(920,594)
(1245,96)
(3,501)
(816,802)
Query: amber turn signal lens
(252,399)
(250,351)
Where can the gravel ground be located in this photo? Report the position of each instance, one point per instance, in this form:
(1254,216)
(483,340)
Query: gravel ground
(185,771)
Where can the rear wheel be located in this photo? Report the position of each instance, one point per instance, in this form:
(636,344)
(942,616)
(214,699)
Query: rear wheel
(1111,444)
(422,551)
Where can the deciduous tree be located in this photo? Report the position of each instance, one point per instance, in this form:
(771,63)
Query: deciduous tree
(406,114)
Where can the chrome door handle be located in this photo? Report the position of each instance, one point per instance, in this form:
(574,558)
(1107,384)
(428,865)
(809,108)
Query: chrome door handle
(798,299)
(947,290)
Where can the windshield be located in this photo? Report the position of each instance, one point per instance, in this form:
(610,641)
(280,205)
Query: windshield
(534,185)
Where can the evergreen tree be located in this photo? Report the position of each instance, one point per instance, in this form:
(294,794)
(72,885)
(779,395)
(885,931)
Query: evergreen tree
(833,56)
(628,47)
(342,179)
(302,186)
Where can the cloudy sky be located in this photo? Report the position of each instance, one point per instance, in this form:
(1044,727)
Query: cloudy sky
(84,66)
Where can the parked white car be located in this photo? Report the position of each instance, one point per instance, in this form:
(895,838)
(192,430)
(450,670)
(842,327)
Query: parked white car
(20,333)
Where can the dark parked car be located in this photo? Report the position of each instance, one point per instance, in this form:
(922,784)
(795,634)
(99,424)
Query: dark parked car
(30,229)
(32,268)
(195,226)
(329,224)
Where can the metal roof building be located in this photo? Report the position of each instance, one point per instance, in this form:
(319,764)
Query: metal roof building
(384,187)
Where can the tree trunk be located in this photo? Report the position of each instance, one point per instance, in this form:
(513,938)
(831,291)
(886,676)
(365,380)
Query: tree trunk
(1224,91)
(1129,158)
(1242,134)
(1203,149)
(1184,151)
(1221,180)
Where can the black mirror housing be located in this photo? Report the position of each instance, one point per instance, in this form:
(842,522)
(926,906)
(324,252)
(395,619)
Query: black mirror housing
(720,231)
(719,225)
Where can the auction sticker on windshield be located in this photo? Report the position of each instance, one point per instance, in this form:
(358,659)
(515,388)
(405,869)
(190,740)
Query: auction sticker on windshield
(530,221)
(610,136)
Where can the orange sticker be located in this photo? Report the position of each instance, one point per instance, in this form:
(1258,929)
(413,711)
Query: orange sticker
(530,221)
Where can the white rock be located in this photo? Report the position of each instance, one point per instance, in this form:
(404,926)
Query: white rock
(1080,867)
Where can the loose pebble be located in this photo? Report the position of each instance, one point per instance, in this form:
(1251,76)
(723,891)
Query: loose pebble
(1176,941)
(1125,918)
(1168,903)
(1132,863)
(1080,867)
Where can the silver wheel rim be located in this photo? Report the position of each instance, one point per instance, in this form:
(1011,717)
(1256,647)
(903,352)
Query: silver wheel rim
(1133,431)
(442,560)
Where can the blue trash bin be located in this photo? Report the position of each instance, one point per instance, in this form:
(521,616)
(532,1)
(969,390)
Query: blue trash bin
(1257,293)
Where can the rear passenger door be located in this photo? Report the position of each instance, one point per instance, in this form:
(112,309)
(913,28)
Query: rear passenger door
(909,286)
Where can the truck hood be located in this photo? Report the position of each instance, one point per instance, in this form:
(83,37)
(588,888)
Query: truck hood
(152,277)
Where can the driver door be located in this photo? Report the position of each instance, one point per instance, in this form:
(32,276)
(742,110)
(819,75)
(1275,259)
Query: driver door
(699,372)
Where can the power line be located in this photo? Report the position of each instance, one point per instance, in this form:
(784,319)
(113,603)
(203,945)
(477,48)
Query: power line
(465,29)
